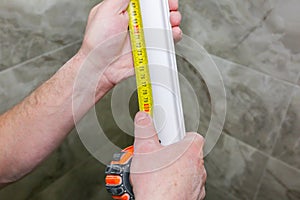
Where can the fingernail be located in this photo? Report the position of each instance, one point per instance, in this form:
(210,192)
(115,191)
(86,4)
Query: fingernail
(142,119)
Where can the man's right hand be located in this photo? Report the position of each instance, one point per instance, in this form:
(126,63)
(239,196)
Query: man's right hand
(173,172)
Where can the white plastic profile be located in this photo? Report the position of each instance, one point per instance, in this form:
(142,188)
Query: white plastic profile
(168,114)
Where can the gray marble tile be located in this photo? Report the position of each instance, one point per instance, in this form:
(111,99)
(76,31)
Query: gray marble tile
(113,132)
(70,152)
(279,182)
(287,147)
(234,168)
(256,104)
(29,29)
(84,181)
(262,35)
(286,17)
(214,193)
(16,83)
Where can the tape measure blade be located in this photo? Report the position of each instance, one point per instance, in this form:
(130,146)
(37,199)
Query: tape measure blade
(140,57)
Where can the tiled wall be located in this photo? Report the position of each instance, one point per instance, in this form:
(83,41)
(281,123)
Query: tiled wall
(258,155)
(256,47)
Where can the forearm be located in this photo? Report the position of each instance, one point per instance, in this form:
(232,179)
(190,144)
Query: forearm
(31,130)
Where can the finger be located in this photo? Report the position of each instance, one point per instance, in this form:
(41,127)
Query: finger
(177,34)
(173,5)
(175,18)
(146,139)
(196,137)
(116,6)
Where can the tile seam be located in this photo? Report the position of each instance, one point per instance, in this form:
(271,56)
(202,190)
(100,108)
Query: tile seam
(63,175)
(212,55)
(263,153)
(268,157)
(294,91)
(82,161)
(40,56)
(257,71)
(276,138)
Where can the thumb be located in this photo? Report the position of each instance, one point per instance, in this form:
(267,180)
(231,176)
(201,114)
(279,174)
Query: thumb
(146,139)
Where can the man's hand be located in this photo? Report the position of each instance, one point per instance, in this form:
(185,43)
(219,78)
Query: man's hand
(173,172)
(107,32)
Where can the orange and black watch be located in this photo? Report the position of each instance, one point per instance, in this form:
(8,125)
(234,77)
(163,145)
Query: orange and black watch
(117,175)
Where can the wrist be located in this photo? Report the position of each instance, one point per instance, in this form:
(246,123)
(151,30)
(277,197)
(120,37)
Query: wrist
(91,72)
(152,192)
(79,58)
(159,190)
(153,196)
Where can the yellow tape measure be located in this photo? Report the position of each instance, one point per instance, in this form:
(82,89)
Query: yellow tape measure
(140,58)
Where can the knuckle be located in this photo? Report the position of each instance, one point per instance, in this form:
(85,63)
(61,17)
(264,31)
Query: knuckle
(94,10)
(199,139)
(197,143)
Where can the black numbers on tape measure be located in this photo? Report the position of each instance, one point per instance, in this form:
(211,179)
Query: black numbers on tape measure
(133,4)
(141,60)
(137,37)
(135,21)
(146,100)
(142,68)
(144,84)
(145,92)
(140,52)
(138,45)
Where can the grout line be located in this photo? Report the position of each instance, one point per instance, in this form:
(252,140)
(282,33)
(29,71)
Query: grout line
(40,56)
(78,164)
(269,157)
(264,153)
(274,144)
(256,71)
(294,91)
(265,168)
(74,168)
